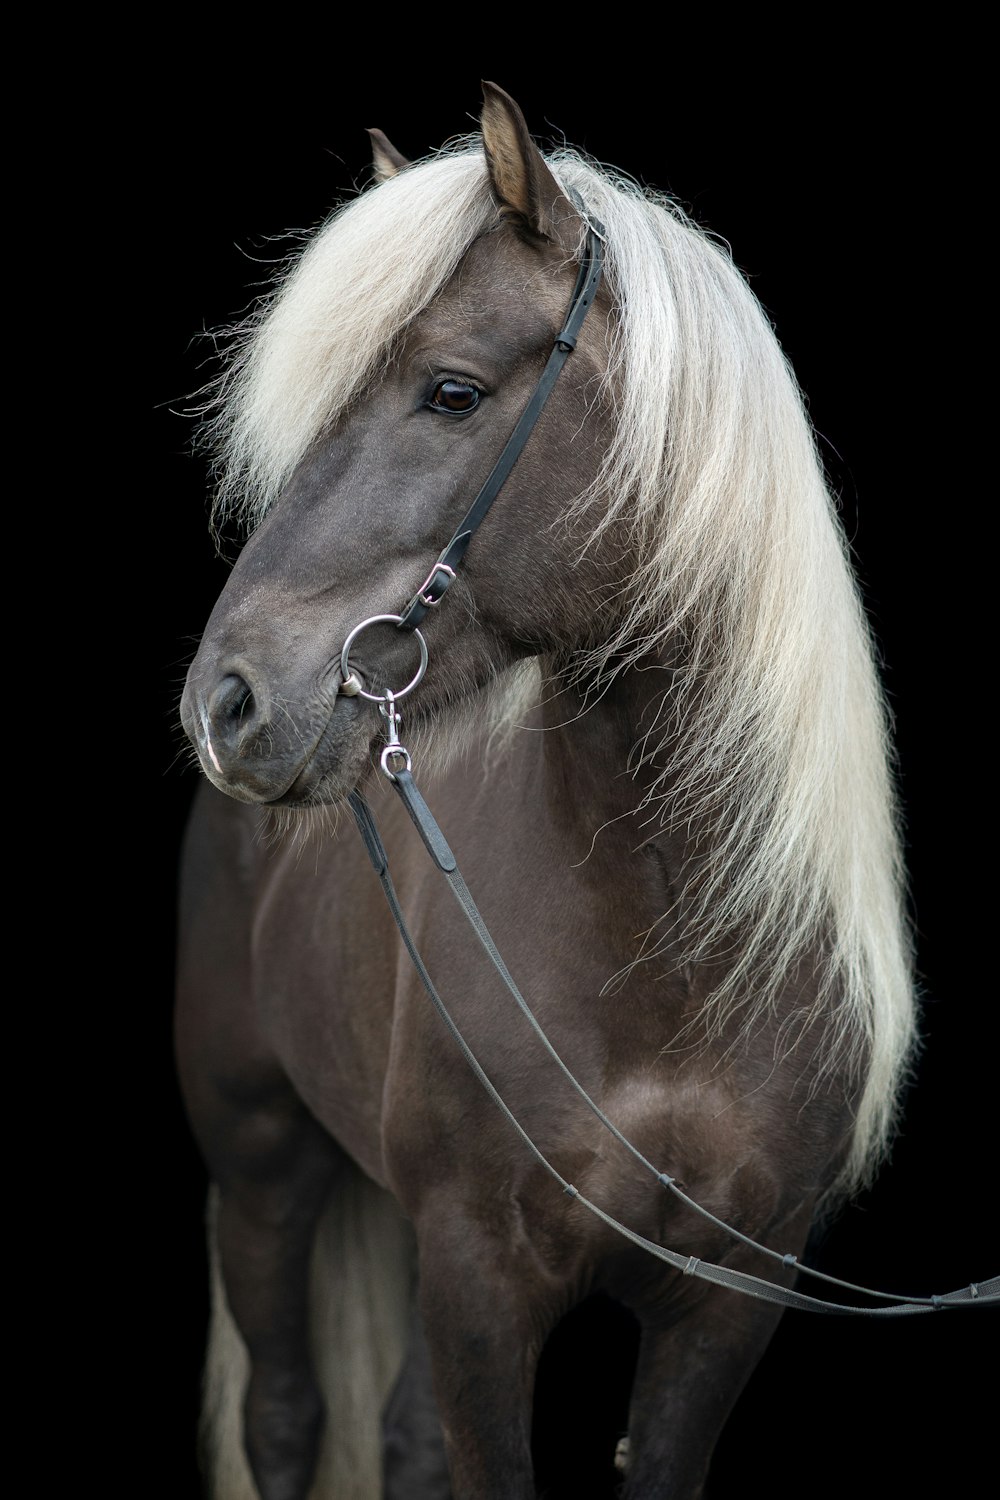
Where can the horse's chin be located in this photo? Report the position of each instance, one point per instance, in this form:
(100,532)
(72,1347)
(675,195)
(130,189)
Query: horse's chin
(317,786)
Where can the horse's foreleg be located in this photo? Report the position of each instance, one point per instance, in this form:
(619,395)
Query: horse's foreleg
(695,1357)
(687,1380)
(268,1210)
(272,1162)
(485,1327)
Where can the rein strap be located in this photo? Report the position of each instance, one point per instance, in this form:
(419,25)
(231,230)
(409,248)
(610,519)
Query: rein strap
(982,1294)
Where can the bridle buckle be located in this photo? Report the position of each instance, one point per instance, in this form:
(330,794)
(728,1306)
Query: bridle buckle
(426,598)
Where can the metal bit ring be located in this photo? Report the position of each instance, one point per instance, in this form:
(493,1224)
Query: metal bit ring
(345,666)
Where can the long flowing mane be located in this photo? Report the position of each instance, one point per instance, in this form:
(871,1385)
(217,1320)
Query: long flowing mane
(772,710)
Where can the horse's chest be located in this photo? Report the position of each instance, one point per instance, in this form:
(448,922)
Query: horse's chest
(374,1061)
(442,1127)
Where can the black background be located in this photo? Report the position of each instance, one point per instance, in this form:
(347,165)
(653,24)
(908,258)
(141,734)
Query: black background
(849,193)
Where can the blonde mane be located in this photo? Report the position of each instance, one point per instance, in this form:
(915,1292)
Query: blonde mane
(774,715)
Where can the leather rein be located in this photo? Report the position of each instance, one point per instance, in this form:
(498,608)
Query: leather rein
(396,764)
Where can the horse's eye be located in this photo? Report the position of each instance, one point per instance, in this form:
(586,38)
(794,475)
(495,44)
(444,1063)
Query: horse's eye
(455,396)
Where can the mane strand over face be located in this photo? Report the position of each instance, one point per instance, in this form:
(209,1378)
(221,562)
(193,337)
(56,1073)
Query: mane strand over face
(774,716)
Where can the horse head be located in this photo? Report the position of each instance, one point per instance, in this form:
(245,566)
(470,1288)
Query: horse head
(417,423)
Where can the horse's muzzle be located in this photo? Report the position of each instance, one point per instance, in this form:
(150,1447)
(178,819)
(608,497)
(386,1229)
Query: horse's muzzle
(260,747)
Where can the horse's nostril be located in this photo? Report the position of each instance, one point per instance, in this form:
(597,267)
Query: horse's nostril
(231,704)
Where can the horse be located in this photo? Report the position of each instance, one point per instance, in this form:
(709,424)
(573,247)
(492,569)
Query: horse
(654,735)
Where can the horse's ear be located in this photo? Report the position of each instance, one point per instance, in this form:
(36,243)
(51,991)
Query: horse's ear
(522,184)
(386,160)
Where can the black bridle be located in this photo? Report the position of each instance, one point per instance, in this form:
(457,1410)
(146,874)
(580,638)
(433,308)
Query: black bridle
(427,597)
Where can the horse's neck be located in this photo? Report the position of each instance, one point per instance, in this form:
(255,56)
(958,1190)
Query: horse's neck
(609,787)
(606,751)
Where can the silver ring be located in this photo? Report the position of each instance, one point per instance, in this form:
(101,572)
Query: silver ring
(345,666)
(394,750)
